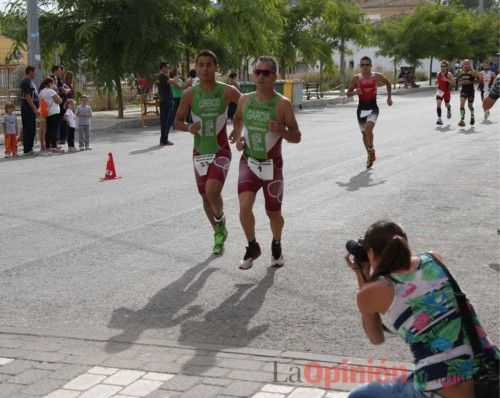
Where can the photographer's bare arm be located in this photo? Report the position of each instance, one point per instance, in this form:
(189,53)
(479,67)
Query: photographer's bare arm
(381,78)
(286,125)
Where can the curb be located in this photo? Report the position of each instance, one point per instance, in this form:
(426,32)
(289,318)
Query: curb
(323,360)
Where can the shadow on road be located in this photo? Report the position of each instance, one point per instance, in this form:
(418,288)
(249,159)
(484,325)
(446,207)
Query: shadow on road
(229,322)
(361,180)
(163,309)
(443,128)
(470,130)
(146,150)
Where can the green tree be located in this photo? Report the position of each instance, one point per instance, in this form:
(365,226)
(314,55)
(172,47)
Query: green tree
(299,39)
(387,37)
(246,29)
(113,38)
(343,23)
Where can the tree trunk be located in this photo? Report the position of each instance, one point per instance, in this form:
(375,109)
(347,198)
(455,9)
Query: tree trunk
(395,73)
(320,74)
(430,73)
(119,97)
(282,68)
(342,67)
(187,59)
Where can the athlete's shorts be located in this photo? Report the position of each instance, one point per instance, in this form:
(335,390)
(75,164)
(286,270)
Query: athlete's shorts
(248,181)
(467,92)
(367,113)
(443,95)
(217,170)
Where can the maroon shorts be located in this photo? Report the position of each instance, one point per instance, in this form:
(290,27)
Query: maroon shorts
(217,170)
(273,189)
(446,96)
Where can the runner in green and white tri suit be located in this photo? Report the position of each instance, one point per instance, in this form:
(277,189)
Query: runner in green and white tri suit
(208,102)
(264,118)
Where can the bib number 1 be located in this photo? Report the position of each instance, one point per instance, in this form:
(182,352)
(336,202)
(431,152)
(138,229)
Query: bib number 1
(264,170)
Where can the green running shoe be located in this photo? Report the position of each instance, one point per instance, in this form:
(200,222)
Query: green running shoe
(220,237)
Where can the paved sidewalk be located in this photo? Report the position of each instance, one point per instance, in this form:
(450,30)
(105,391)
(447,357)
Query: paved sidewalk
(61,367)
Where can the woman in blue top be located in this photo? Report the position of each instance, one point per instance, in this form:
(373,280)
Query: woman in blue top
(413,297)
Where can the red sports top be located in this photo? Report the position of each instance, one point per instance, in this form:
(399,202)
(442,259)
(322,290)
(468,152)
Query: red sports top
(367,88)
(443,84)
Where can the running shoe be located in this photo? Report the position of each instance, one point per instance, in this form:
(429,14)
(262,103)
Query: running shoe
(448,114)
(252,253)
(220,237)
(461,123)
(439,121)
(276,256)
(370,158)
(7,155)
(486,115)
(472,121)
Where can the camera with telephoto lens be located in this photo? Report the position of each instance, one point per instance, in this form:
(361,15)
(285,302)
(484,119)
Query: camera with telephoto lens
(356,248)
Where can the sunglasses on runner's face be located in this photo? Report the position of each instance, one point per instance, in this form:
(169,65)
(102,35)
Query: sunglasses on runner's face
(366,64)
(263,72)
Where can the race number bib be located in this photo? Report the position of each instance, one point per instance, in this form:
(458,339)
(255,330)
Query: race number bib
(202,162)
(264,170)
(366,113)
(440,93)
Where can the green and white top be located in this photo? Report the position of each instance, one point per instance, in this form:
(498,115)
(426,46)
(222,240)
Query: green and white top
(210,110)
(260,142)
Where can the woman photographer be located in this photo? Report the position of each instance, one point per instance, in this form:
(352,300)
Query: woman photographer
(413,297)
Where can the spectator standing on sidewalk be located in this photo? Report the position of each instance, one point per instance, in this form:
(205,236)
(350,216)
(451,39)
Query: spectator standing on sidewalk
(84,114)
(233,81)
(51,98)
(29,109)
(42,118)
(166,102)
(178,86)
(10,130)
(69,78)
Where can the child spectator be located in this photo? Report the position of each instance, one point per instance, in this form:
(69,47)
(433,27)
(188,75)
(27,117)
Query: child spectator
(10,130)
(70,118)
(84,113)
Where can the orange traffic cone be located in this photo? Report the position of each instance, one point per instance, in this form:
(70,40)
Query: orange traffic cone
(110,169)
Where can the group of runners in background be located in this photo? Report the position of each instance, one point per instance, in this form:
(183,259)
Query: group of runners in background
(467,77)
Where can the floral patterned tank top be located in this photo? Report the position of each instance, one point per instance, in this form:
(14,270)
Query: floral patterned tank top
(425,314)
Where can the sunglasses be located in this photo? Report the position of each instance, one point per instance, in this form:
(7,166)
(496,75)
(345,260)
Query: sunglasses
(444,66)
(366,64)
(263,72)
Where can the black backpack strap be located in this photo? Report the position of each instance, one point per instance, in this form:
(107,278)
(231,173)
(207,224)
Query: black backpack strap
(465,311)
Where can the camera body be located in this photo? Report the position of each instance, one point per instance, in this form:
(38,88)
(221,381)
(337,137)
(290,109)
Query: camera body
(356,249)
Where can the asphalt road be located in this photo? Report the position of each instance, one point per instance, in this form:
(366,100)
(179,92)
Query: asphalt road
(131,259)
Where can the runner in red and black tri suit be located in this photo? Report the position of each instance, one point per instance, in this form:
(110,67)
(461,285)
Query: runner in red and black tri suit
(365,84)
(444,81)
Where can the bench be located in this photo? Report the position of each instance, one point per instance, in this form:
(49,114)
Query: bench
(310,88)
(149,105)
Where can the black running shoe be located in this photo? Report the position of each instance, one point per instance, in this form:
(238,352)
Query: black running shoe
(277,256)
(252,253)
(472,121)
(461,123)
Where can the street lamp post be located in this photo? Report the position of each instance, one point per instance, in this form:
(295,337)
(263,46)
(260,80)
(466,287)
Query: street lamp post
(34,57)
